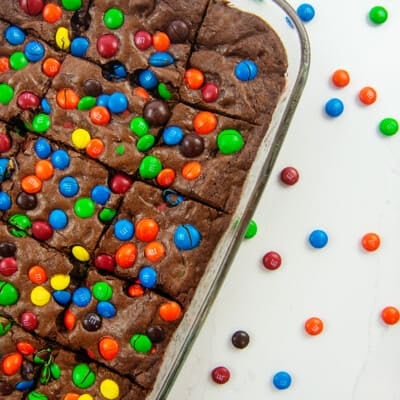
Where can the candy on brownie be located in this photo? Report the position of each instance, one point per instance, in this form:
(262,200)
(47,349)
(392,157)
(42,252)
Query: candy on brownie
(58,22)
(161,238)
(27,65)
(61,194)
(34,282)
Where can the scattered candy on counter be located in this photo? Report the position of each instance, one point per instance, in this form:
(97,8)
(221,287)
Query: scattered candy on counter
(318,239)
(282,380)
(220,375)
(289,176)
(378,15)
(306,12)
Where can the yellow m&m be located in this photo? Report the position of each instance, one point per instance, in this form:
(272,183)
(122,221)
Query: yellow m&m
(40,296)
(60,281)
(85,396)
(109,389)
(80,138)
(80,253)
(62,38)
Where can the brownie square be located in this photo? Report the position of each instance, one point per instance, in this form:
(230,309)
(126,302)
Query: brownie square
(181,236)
(32,279)
(76,189)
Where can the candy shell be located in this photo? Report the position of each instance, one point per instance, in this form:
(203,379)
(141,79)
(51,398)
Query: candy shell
(8,294)
(108,348)
(186,237)
(11,363)
(83,376)
(109,389)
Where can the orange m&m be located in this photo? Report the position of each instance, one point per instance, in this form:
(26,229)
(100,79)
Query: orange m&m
(44,169)
(25,348)
(161,41)
(191,170)
(51,66)
(193,78)
(37,274)
(367,95)
(141,92)
(31,184)
(108,348)
(170,311)
(95,148)
(51,13)
(204,122)
(135,290)
(125,256)
(71,396)
(154,251)
(340,78)
(69,320)
(166,177)
(11,363)
(67,99)
(314,326)
(390,315)
(146,229)
(4,64)
(99,115)
(370,241)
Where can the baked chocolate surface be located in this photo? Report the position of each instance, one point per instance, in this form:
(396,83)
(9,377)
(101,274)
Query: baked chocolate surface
(126,136)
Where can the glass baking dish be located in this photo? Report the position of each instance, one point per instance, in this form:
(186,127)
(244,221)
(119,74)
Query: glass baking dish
(283,19)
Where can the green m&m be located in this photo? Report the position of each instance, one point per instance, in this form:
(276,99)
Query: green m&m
(6,93)
(163,91)
(86,103)
(230,141)
(83,376)
(107,214)
(8,294)
(20,221)
(102,291)
(251,230)
(139,126)
(141,343)
(388,126)
(150,167)
(145,143)
(37,396)
(5,325)
(378,15)
(113,18)
(71,5)
(18,60)
(84,207)
(41,123)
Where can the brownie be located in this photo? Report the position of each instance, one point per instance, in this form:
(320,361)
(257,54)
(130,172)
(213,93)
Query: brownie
(22,70)
(33,17)
(217,52)
(178,242)
(60,182)
(33,282)
(40,369)
(108,313)
(125,144)
(18,371)
(220,163)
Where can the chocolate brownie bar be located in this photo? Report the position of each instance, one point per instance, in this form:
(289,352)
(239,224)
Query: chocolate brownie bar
(218,51)
(39,369)
(34,282)
(61,195)
(171,238)
(45,19)
(25,72)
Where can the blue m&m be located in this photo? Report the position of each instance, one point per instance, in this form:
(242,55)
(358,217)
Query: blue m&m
(81,297)
(306,12)
(106,309)
(246,70)
(62,297)
(68,186)
(117,103)
(60,159)
(282,380)
(186,237)
(318,239)
(334,107)
(147,79)
(103,100)
(14,35)
(79,46)
(124,230)
(100,194)
(161,59)
(5,201)
(45,106)
(34,51)
(172,135)
(58,219)
(42,148)
(148,277)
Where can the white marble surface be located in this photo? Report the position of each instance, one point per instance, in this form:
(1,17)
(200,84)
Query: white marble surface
(349,185)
